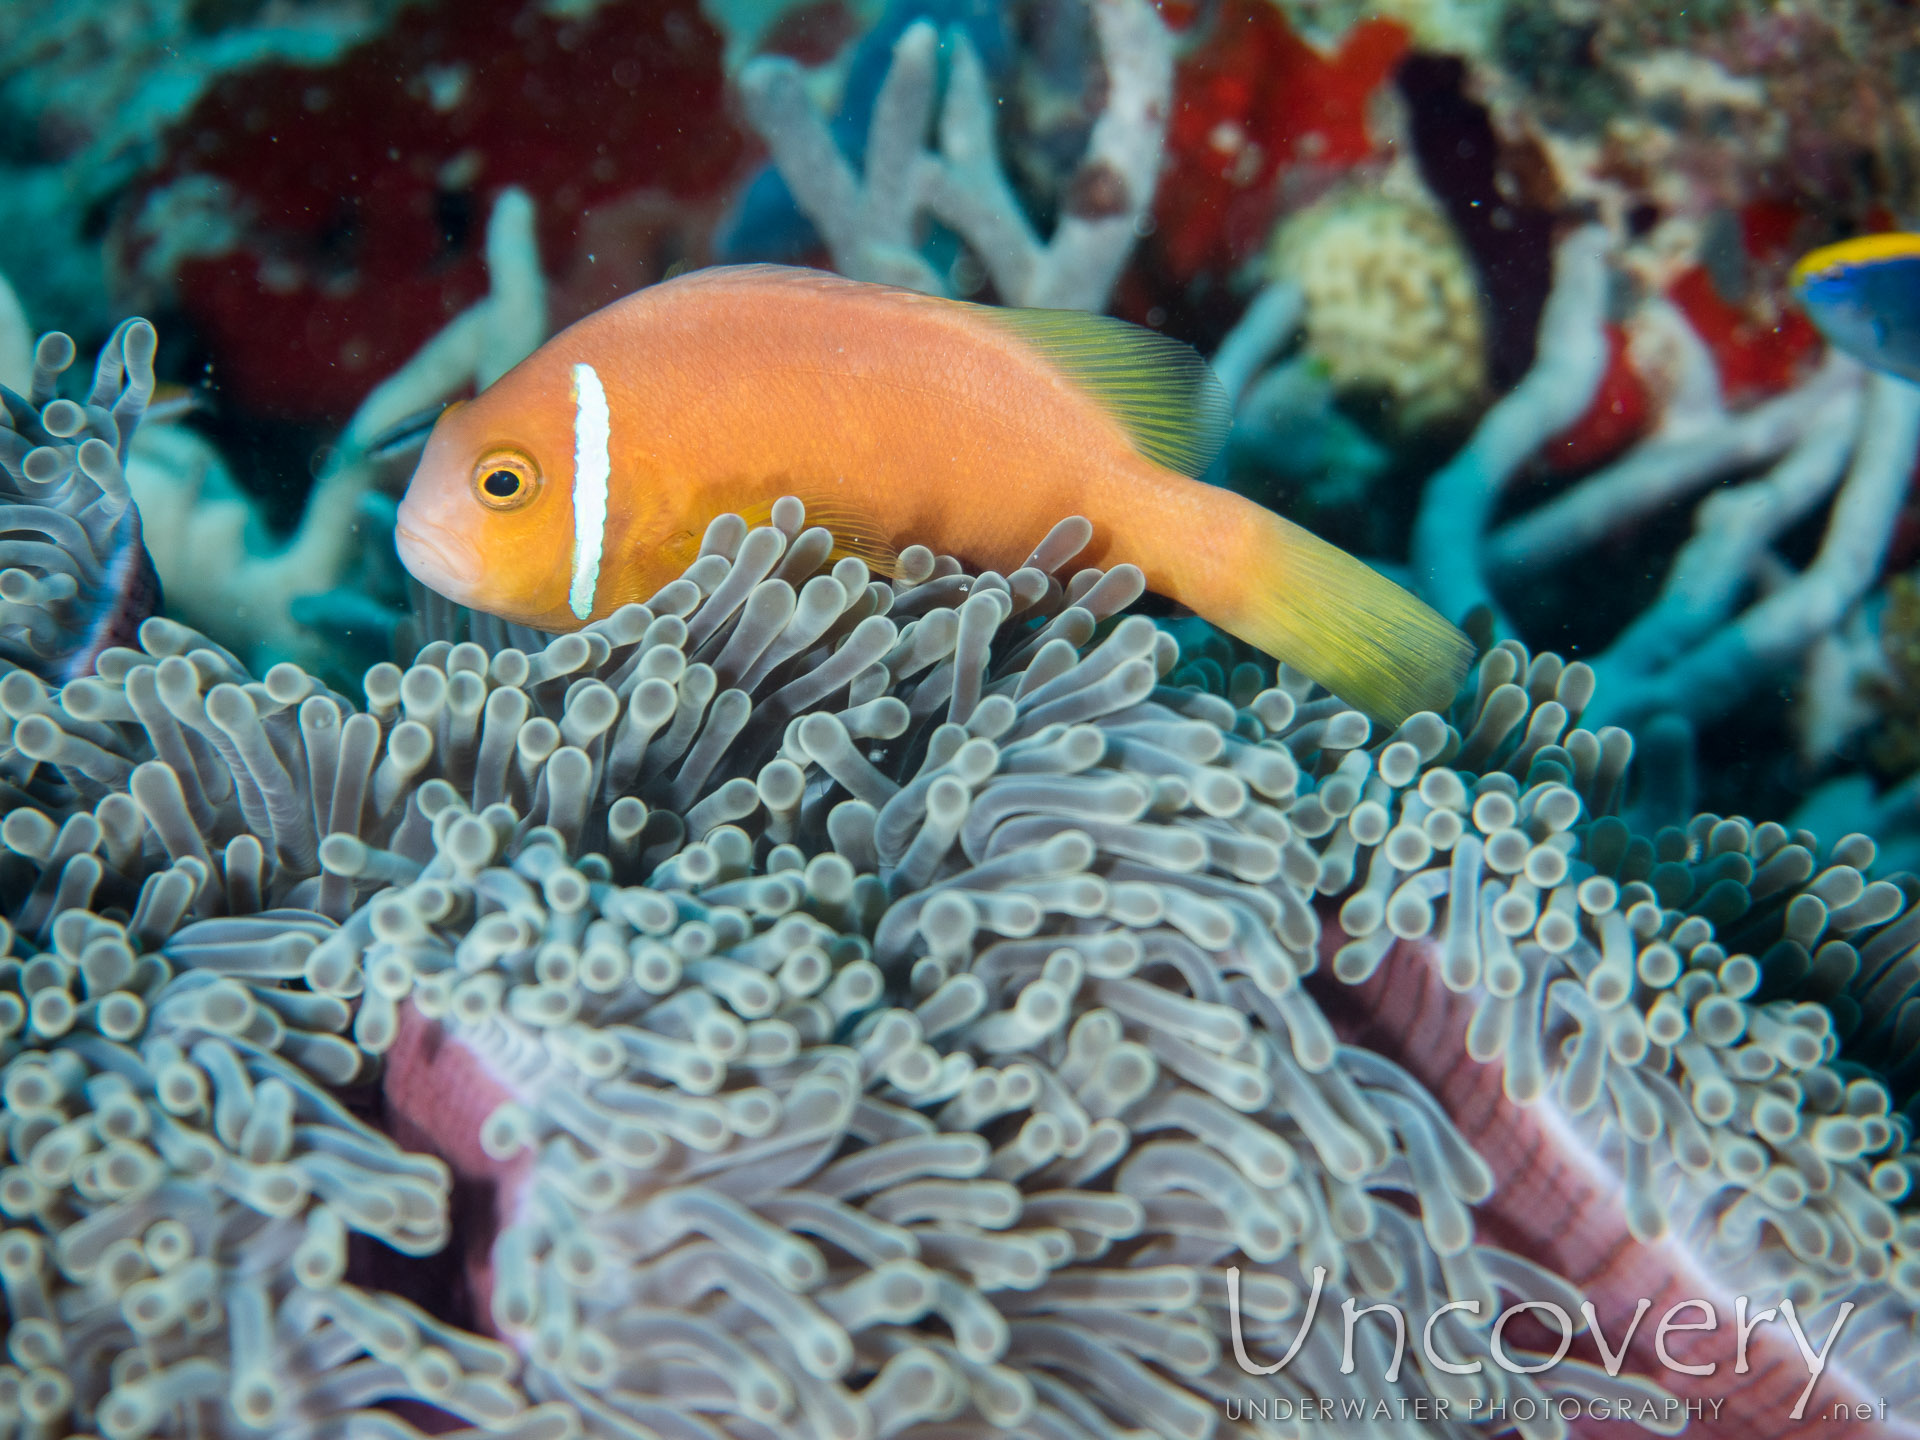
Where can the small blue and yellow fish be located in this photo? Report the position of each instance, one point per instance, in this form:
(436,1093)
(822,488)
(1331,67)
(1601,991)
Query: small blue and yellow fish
(1864,294)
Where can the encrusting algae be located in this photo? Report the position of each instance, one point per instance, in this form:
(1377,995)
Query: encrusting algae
(579,481)
(1393,306)
(896,1008)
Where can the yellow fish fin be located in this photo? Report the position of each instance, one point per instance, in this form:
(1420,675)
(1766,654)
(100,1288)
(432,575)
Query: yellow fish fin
(854,531)
(1158,390)
(681,547)
(759,275)
(1861,250)
(1337,619)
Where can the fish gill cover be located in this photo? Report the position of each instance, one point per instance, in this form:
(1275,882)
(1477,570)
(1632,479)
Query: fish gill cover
(943,1004)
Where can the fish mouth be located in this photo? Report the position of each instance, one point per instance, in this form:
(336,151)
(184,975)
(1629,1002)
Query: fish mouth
(437,557)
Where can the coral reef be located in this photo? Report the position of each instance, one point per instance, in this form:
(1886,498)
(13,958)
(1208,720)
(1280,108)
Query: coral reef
(349,199)
(1392,306)
(330,595)
(1735,107)
(327,595)
(892,1005)
(873,223)
(105,83)
(90,91)
(944,1005)
(1262,124)
(1838,440)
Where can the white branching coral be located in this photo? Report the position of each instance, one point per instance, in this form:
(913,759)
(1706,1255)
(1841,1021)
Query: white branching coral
(888,1006)
(873,223)
(1731,613)
(269,600)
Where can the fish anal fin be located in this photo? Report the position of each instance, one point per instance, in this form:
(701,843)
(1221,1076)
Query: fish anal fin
(1160,391)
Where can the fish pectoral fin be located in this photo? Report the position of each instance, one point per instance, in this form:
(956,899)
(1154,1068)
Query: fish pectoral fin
(882,559)
(855,532)
(1161,392)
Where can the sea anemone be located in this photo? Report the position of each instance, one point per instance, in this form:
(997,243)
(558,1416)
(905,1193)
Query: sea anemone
(76,576)
(861,1006)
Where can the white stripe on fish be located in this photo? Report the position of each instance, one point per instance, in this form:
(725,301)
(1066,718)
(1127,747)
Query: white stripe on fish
(592,470)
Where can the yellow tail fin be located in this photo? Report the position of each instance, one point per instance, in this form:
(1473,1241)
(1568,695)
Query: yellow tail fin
(1356,632)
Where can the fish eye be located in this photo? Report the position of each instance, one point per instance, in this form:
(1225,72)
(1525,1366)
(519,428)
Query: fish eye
(505,481)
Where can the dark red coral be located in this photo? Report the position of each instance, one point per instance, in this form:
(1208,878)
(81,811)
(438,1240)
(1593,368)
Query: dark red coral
(1759,349)
(364,186)
(1261,121)
(1618,416)
(1774,231)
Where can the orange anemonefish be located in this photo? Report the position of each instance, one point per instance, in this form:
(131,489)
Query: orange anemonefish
(583,478)
(1864,295)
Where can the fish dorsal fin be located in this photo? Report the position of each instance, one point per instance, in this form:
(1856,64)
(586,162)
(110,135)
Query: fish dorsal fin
(758,273)
(794,278)
(854,531)
(1158,390)
(1861,250)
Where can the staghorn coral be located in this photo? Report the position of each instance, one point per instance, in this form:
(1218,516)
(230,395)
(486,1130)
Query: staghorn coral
(888,1005)
(764,222)
(1841,440)
(872,223)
